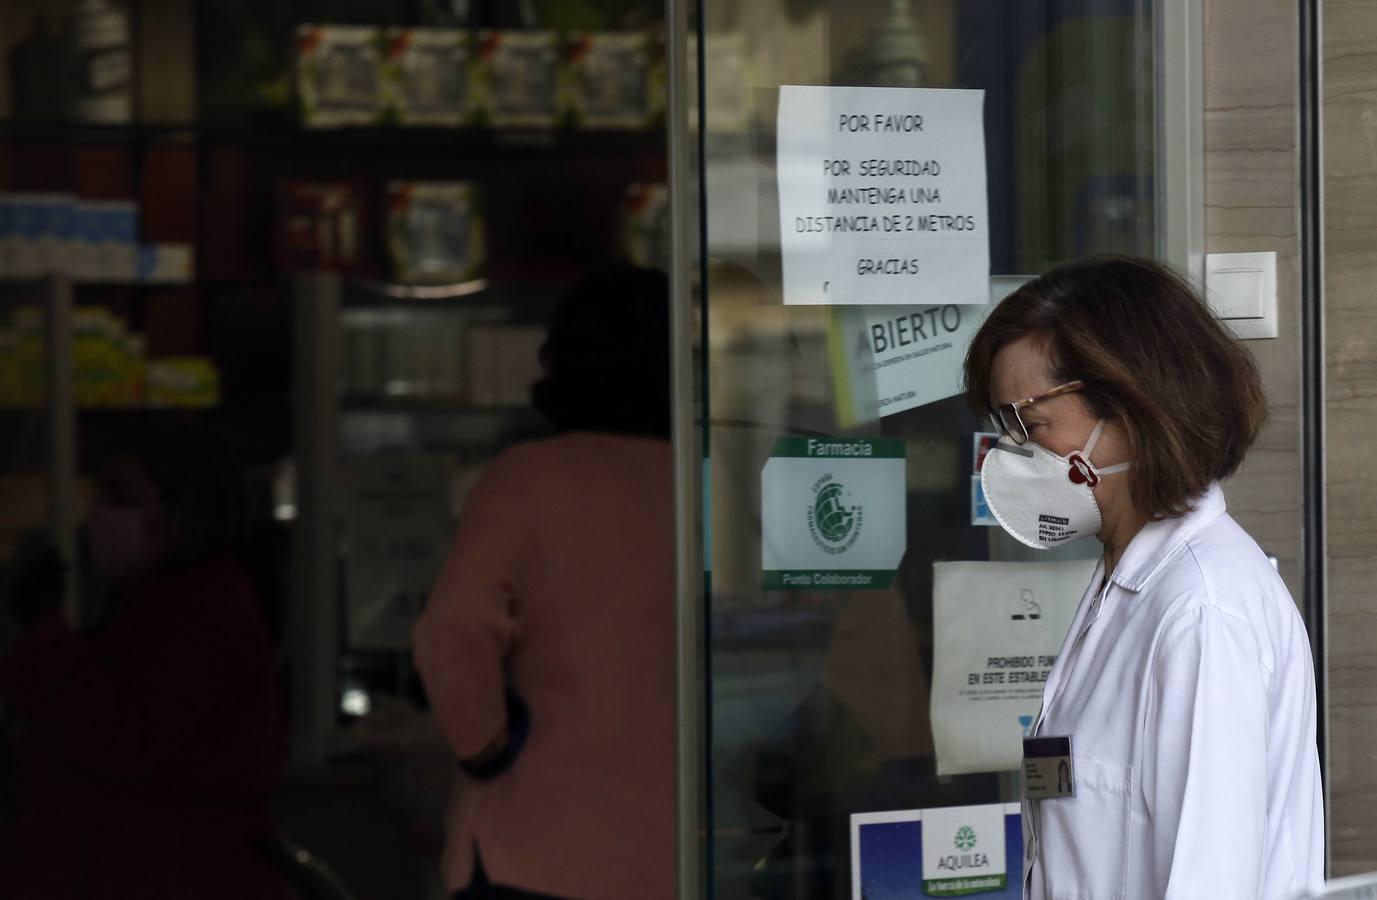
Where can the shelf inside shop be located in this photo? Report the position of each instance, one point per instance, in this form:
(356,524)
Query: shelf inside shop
(131,284)
(353,140)
(388,140)
(137,284)
(498,293)
(478,294)
(429,403)
(16,131)
(425,293)
(113,411)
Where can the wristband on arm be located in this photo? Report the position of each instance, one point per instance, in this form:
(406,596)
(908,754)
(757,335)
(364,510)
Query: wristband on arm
(518,729)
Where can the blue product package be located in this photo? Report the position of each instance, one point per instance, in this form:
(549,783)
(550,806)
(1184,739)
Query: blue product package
(119,231)
(62,219)
(62,235)
(42,225)
(86,248)
(28,229)
(148,262)
(28,216)
(124,223)
(88,223)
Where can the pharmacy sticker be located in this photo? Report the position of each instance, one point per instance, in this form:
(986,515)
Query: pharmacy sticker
(833,513)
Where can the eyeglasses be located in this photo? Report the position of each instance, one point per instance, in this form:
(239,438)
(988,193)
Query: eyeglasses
(1010,423)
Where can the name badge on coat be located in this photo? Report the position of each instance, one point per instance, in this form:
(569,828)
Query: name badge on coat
(1048,771)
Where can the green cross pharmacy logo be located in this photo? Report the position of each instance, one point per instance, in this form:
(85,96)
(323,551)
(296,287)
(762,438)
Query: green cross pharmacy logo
(833,520)
(965,838)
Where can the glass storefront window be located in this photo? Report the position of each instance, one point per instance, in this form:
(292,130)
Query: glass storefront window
(819,701)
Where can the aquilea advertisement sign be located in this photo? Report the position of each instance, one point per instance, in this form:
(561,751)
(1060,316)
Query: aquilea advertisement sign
(944,852)
(963,851)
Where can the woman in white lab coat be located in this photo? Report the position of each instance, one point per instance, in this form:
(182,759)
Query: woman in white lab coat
(1183,700)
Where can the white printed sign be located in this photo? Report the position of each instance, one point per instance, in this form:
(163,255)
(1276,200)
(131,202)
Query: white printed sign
(399,525)
(998,627)
(833,513)
(882,196)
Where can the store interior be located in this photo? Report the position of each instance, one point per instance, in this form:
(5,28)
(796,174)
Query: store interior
(330,235)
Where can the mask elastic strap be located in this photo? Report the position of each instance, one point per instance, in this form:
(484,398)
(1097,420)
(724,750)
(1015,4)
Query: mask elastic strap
(1094,439)
(1090,448)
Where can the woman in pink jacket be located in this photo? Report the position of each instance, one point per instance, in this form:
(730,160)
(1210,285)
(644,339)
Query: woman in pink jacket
(547,645)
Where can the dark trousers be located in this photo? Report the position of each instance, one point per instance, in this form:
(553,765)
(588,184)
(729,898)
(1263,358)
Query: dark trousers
(482,889)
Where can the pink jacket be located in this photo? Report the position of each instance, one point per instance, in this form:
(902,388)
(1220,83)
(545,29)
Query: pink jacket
(560,584)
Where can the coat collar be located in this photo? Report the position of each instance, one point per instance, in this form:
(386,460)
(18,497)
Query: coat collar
(1160,539)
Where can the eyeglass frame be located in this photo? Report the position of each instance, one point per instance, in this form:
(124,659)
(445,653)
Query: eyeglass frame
(997,415)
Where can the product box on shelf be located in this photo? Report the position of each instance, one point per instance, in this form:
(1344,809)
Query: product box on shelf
(435,231)
(84,262)
(607,80)
(108,362)
(319,225)
(338,75)
(130,386)
(516,79)
(185,382)
(44,231)
(726,72)
(362,363)
(645,225)
(167,264)
(426,77)
(98,357)
(87,240)
(402,352)
(25,369)
(425,351)
(503,362)
(109,243)
(101,63)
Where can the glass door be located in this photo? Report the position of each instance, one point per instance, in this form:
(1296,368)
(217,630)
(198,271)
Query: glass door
(872,648)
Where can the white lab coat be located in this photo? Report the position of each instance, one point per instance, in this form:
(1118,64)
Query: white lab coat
(1187,687)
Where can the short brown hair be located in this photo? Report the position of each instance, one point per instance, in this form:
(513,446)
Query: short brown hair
(1152,355)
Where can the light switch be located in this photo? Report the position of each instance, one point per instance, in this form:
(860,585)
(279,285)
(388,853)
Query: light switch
(1242,291)
(1237,293)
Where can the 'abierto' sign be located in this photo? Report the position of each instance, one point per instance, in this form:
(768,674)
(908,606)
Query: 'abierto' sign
(882,196)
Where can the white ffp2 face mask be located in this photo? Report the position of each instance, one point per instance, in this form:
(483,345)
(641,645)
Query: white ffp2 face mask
(1042,499)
